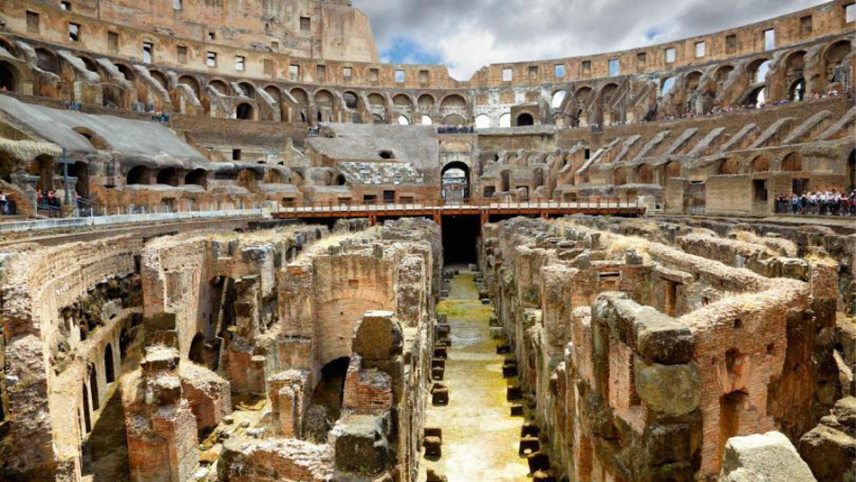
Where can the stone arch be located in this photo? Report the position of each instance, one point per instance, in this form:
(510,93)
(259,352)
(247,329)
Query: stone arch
(402,100)
(454,120)
(645,174)
(403,120)
(160,78)
(168,176)
(325,102)
(275,93)
(755,97)
(673,169)
(8,77)
(94,139)
(729,166)
(351,100)
(138,175)
(198,177)
(482,121)
(426,102)
(47,61)
(505,120)
(126,71)
(90,64)
(244,111)
(196,352)
(93,387)
(834,61)
(760,163)
(792,163)
(619,176)
(249,90)
(192,83)
(666,85)
(758,69)
(8,46)
(427,120)
(109,369)
(558,98)
(219,86)
(525,119)
(692,81)
(452,189)
(453,101)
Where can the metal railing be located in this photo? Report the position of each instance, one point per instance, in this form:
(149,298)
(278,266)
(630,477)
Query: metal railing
(441,204)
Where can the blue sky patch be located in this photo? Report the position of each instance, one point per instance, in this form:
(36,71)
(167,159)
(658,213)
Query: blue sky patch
(406,51)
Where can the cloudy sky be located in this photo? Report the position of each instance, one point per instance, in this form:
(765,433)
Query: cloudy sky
(468,34)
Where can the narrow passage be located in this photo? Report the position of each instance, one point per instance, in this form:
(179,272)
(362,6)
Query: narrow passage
(480,437)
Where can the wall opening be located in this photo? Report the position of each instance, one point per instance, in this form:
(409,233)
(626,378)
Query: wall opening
(244,112)
(456,182)
(8,82)
(93,388)
(460,234)
(327,399)
(109,370)
(525,120)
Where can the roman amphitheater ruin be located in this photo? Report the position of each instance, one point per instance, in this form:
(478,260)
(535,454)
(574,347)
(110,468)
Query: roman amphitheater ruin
(236,246)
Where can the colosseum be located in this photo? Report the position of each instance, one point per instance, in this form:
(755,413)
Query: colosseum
(237,246)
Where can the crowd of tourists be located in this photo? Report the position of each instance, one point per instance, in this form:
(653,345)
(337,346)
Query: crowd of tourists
(819,203)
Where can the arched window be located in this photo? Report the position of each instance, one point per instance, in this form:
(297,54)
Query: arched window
(558,99)
(8,79)
(525,119)
(138,175)
(109,371)
(244,112)
(482,121)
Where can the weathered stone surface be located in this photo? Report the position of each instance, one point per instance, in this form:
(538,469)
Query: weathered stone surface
(671,389)
(770,456)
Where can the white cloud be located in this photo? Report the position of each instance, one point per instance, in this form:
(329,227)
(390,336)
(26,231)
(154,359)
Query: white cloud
(470,34)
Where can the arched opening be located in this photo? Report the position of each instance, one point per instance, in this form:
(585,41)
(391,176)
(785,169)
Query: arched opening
(402,101)
(454,120)
(190,82)
(124,343)
(456,182)
(138,175)
(198,177)
(525,119)
(47,61)
(87,412)
(326,405)
(729,166)
(160,78)
(505,180)
(758,70)
(109,371)
(244,112)
(350,99)
(89,64)
(427,120)
(403,120)
(796,93)
(482,121)
(168,176)
(386,155)
(757,98)
(619,177)
(8,79)
(454,102)
(219,86)
(324,102)
(645,174)
(274,93)
(667,85)
(505,120)
(197,350)
(760,164)
(340,180)
(558,99)
(792,163)
(673,169)
(93,388)
(426,102)
(80,171)
(837,68)
(247,90)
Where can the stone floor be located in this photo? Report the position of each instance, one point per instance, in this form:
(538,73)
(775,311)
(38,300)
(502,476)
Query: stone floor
(480,438)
